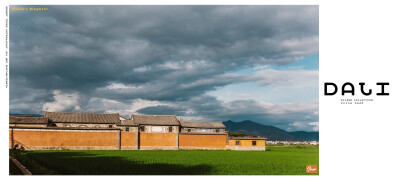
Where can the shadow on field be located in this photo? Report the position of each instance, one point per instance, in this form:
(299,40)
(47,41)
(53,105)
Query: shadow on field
(80,163)
(13,169)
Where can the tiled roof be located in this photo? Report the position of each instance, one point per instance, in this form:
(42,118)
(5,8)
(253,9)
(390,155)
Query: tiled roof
(209,125)
(65,128)
(127,123)
(247,138)
(168,120)
(91,118)
(28,120)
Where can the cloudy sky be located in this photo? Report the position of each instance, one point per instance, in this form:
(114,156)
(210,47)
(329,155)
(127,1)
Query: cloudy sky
(209,63)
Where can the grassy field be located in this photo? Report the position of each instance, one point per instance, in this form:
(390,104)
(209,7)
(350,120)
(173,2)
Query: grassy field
(276,160)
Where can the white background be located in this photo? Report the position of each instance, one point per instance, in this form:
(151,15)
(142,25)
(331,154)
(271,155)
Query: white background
(359,42)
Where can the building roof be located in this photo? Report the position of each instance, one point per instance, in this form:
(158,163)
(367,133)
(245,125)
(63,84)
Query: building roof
(247,138)
(167,120)
(127,122)
(209,125)
(91,118)
(65,128)
(28,120)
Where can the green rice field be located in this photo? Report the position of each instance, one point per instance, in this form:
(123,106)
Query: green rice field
(276,160)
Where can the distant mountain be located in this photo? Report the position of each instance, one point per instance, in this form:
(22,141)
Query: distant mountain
(303,135)
(271,132)
(34,115)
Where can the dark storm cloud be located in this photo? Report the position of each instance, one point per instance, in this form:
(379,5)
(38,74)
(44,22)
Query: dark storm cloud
(159,53)
(169,87)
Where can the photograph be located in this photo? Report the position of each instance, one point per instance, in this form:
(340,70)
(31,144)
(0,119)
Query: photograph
(163,89)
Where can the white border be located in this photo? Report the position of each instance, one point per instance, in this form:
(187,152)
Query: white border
(359,41)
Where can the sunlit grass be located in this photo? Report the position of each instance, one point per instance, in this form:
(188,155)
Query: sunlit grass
(287,160)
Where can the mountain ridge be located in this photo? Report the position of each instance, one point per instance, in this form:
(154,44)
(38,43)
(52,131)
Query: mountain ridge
(271,132)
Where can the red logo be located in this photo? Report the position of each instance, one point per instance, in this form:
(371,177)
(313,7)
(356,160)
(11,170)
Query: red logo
(311,168)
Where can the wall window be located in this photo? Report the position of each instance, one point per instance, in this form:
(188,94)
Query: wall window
(127,129)
(237,142)
(110,126)
(141,128)
(169,129)
(254,142)
(189,130)
(217,130)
